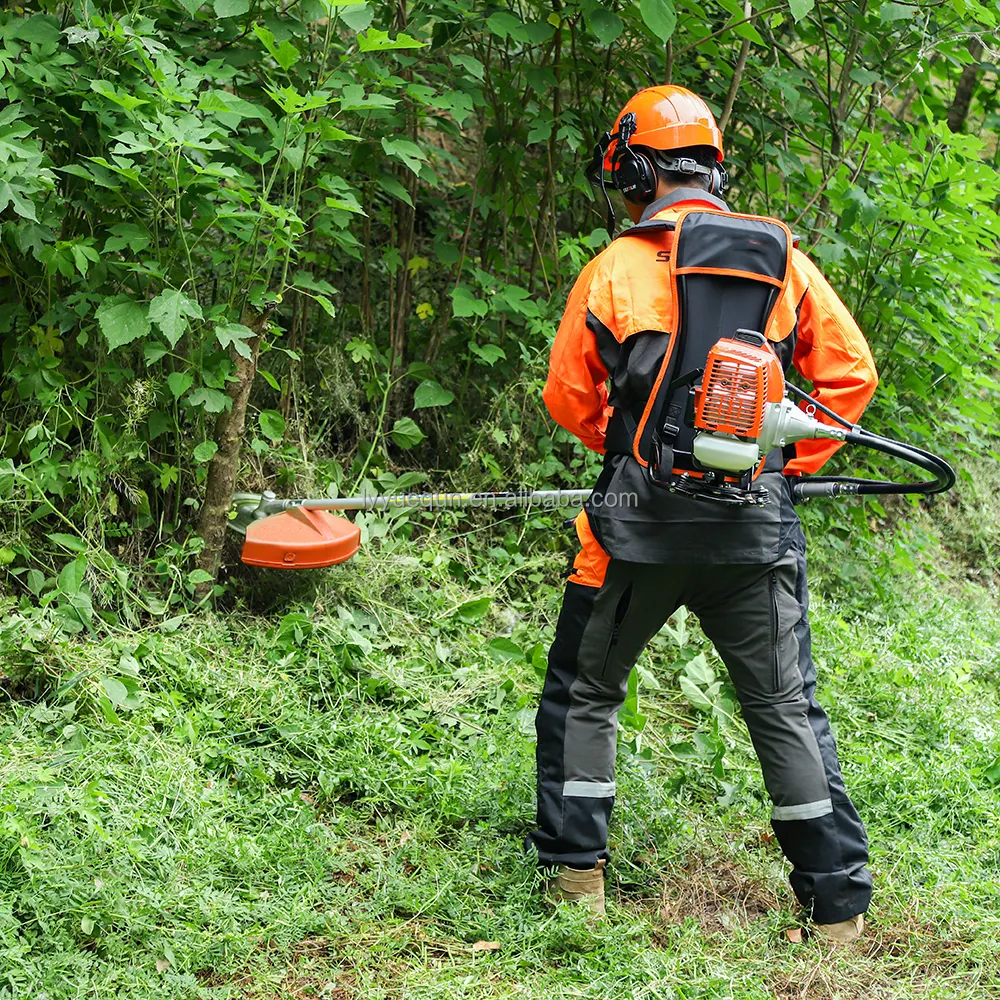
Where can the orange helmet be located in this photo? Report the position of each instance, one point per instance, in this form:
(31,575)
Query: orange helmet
(669,117)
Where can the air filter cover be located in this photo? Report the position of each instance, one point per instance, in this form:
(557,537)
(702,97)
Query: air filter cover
(300,539)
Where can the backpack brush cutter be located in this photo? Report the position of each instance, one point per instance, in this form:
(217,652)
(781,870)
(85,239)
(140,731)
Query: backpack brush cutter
(739,411)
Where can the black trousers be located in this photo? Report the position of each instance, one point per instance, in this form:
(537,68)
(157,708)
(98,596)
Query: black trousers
(757,618)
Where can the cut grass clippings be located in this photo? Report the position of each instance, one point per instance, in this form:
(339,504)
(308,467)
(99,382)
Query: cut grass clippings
(329,799)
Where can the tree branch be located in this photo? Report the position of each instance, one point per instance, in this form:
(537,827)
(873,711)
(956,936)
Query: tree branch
(727,27)
(734,84)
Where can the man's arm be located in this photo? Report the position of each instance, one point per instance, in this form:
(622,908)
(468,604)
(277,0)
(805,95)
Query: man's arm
(831,353)
(575,393)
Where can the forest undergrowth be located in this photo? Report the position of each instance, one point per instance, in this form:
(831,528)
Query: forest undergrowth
(322,245)
(323,789)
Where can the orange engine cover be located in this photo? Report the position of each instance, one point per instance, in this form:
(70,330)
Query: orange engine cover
(740,380)
(300,539)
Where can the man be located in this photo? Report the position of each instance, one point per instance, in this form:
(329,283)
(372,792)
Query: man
(741,570)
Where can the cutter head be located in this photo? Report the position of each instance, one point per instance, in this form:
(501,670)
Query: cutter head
(300,539)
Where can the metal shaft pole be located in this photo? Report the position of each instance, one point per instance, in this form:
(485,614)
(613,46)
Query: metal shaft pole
(432,501)
(263,505)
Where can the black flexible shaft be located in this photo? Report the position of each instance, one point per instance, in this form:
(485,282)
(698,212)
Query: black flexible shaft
(832,486)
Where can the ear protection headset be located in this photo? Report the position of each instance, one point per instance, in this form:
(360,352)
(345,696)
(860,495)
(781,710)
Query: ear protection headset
(634,174)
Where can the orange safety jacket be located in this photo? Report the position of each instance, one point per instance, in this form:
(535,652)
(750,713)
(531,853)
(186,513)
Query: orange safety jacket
(616,327)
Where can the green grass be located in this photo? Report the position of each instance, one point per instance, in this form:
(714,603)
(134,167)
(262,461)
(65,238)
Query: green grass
(323,792)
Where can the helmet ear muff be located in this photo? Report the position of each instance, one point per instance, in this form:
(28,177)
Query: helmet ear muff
(635,176)
(720,179)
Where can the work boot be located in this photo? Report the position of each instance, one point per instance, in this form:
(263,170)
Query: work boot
(843,932)
(580,886)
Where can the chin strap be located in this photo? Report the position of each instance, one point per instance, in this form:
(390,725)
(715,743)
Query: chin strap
(595,174)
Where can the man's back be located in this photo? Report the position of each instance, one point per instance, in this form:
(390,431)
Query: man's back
(618,325)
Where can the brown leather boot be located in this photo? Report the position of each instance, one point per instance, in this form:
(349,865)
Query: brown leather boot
(843,932)
(580,887)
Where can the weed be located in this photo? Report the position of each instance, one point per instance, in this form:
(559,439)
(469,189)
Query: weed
(332,802)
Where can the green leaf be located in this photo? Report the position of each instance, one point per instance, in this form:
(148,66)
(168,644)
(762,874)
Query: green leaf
(285,54)
(358,17)
(659,16)
(197,576)
(606,25)
(865,77)
(223,104)
(7,556)
(159,423)
(14,194)
(272,423)
(406,433)
(210,400)
(179,383)
(70,582)
(747,30)
(504,24)
(470,64)
(472,611)
(800,8)
(170,311)
(489,353)
(37,29)
(694,694)
(355,99)
(83,257)
(332,133)
(122,320)
(896,12)
(108,90)
(699,671)
(153,351)
(393,187)
(205,451)
(374,40)
(116,693)
(409,152)
(72,542)
(540,132)
(505,650)
(127,235)
(430,393)
(464,304)
(231,8)
(235,335)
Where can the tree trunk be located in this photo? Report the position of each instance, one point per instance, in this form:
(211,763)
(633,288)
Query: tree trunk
(967,84)
(406,221)
(225,464)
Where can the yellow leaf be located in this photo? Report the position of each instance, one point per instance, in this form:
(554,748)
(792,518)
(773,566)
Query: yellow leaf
(417,264)
(425,310)
(553,19)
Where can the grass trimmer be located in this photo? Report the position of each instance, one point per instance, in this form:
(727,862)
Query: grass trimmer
(304,534)
(738,412)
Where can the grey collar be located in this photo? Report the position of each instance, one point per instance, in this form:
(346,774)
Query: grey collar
(681,194)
